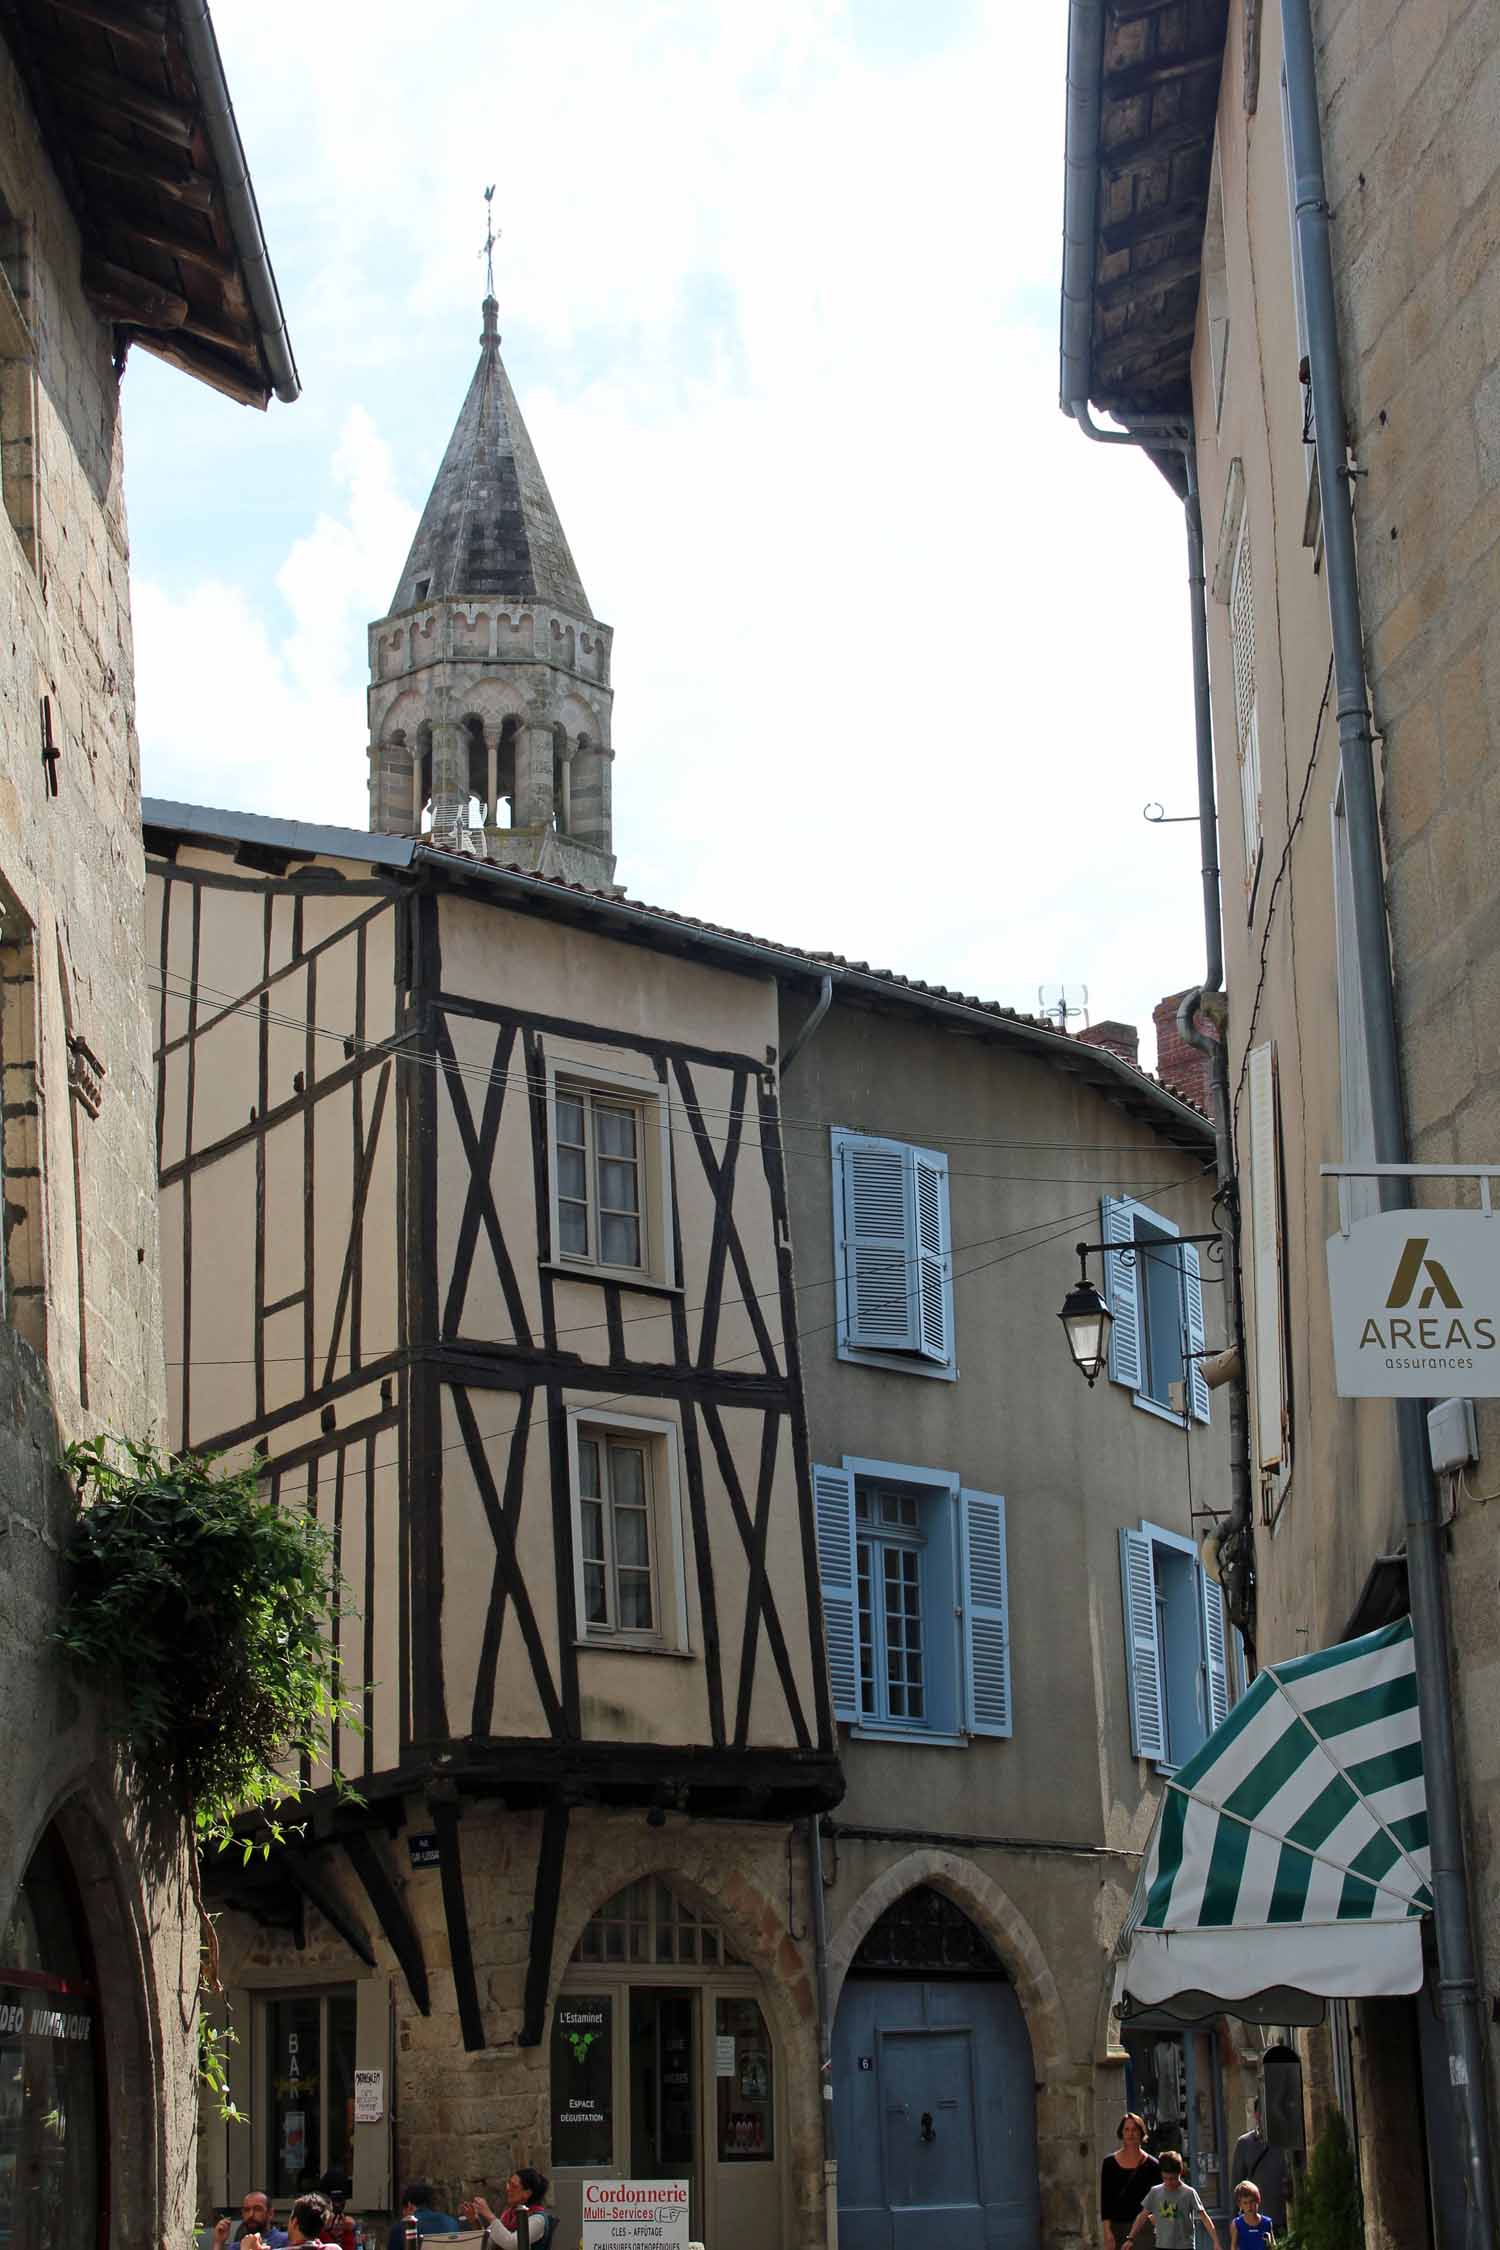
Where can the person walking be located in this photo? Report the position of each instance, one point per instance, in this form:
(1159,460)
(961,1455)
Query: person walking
(1173,2209)
(1124,2179)
(1249,2228)
(525,2206)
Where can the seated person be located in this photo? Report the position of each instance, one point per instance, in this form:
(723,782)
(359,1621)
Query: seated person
(255,2218)
(525,2222)
(416,2203)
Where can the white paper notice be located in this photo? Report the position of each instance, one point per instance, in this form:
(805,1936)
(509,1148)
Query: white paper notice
(369,2097)
(724,2056)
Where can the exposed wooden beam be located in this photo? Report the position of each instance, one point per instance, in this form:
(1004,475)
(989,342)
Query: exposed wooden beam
(143,225)
(1149,281)
(232,378)
(143,22)
(445,1820)
(122,97)
(1161,70)
(545,1895)
(1166,140)
(102,153)
(122,295)
(1145,226)
(309,1881)
(391,1914)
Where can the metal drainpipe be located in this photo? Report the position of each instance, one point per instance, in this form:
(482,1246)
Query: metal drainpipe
(800,1038)
(825,2031)
(1236,1545)
(1457,1983)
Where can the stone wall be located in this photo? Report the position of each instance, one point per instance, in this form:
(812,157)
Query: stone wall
(81,1348)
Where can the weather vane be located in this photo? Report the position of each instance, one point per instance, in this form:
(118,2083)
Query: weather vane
(489,240)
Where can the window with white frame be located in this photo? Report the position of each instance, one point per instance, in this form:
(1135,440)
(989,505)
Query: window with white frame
(611,1193)
(1154,1287)
(893,1264)
(627,1532)
(915,1601)
(1176,1645)
(1246,718)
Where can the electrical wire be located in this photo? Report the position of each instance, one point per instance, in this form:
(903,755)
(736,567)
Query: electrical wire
(1064,1219)
(184,990)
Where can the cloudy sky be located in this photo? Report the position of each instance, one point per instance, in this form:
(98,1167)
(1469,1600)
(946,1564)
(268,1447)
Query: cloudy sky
(899,657)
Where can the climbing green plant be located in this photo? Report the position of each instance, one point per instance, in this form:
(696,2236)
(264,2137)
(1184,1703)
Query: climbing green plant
(206,1613)
(1326,2214)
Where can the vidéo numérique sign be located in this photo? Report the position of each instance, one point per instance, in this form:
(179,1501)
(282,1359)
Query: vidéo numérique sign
(1416,1305)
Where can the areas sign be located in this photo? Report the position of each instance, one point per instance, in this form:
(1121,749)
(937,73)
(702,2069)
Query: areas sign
(635,2214)
(1416,1305)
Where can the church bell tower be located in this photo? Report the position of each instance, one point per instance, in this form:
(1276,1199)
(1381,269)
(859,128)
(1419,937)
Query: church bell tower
(489,679)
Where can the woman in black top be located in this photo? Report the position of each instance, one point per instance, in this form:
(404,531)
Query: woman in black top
(1124,2180)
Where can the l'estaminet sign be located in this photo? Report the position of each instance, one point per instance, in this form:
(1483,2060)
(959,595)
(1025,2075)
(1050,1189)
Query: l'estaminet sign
(1416,1305)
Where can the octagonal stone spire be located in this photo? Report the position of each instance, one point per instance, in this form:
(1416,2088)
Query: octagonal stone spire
(489,526)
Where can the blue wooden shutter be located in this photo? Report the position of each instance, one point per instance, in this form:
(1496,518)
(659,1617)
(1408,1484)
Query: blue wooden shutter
(833,1513)
(879,1245)
(1121,1289)
(934,1267)
(1215,1649)
(1148,1732)
(987,1705)
(1192,1290)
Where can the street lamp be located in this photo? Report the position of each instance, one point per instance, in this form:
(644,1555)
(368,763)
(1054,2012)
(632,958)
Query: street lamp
(1086,1321)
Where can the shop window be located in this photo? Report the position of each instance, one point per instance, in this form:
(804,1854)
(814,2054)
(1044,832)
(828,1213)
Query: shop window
(309,2063)
(742,2075)
(647,1923)
(50,2123)
(583,2121)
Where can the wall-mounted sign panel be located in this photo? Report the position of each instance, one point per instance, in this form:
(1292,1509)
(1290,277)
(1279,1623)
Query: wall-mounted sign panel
(1416,1305)
(635,2214)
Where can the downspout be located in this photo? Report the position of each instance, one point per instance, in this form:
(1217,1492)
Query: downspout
(805,1031)
(825,2030)
(1159,435)
(1237,1540)
(1458,1991)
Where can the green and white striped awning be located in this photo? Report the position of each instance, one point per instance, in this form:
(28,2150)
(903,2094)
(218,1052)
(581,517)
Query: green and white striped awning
(1291,1850)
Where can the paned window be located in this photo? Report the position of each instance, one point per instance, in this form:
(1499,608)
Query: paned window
(912,1570)
(648,1923)
(600,1178)
(893,1265)
(888,1555)
(614,1509)
(1176,1645)
(309,2054)
(1154,1285)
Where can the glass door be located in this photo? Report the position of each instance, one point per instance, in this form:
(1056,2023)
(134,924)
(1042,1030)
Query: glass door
(663,2087)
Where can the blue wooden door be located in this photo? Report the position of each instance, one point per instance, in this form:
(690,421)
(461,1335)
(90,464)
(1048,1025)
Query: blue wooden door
(936,2117)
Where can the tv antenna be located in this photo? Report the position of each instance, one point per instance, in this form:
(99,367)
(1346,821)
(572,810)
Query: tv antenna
(1062,1003)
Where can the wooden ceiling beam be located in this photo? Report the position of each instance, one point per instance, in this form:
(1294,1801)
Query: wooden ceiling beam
(1162,70)
(143,23)
(121,97)
(1132,357)
(1166,140)
(1145,226)
(232,377)
(100,153)
(129,297)
(1129,288)
(140,225)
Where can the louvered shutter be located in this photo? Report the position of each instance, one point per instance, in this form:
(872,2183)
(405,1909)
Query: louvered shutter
(1215,1649)
(1148,1731)
(1192,1290)
(987,1705)
(880,1252)
(934,1268)
(1268,1367)
(833,1513)
(1117,1218)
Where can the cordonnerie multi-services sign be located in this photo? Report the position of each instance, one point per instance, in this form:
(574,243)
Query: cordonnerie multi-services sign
(1416,1305)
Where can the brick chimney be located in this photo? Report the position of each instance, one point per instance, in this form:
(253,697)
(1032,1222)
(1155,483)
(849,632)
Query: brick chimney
(1121,1039)
(1178,1064)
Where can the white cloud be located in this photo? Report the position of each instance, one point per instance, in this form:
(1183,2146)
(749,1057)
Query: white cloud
(898,655)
